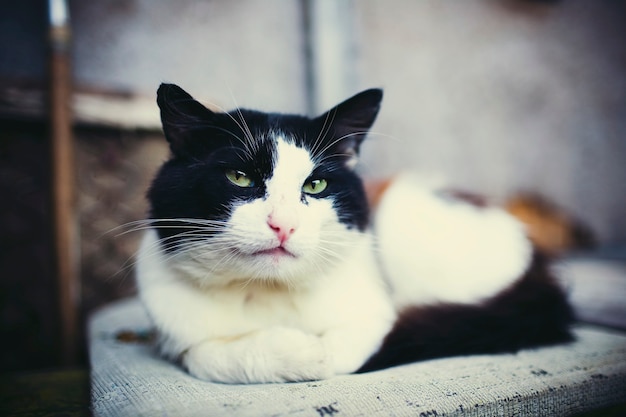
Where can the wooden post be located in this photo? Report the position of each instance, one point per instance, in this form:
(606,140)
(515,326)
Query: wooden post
(65,223)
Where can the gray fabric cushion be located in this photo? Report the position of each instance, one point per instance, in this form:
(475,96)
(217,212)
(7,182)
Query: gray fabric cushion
(129,379)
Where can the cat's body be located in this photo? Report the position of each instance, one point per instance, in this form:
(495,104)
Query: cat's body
(261,265)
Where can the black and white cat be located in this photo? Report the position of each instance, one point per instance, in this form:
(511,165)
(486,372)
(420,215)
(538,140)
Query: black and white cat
(261,264)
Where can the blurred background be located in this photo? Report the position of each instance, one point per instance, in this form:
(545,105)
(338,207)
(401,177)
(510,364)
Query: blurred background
(496,96)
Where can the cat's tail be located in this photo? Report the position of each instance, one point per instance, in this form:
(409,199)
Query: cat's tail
(551,228)
(532,312)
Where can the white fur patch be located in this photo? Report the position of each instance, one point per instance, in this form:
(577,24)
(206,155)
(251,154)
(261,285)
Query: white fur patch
(436,250)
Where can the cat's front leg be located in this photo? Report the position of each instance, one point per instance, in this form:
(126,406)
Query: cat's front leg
(351,346)
(277,354)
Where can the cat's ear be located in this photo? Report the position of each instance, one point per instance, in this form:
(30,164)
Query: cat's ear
(180,116)
(347,124)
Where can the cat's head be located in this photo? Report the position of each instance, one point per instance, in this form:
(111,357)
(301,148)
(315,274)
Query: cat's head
(252,195)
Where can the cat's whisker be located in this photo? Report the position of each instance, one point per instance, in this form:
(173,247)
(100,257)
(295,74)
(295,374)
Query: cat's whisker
(336,141)
(326,126)
(139,225)
(333,247)
(243,141)
(252,144)
(192,229)
(329,253)
(324,158)
(248,139)
(171,247)
(375,134)
(243,125)
(224,259)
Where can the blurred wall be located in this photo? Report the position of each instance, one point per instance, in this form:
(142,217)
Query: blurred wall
(502,96)
(495,96)
(245,52)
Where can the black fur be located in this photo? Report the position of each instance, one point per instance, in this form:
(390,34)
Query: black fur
(205,144)
(532,312)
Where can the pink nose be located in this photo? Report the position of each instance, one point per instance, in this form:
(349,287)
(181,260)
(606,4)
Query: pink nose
(283,228)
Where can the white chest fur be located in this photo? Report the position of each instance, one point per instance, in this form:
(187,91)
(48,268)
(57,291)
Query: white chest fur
(213,324)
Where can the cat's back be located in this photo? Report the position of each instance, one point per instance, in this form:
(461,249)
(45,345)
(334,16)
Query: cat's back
(461,248)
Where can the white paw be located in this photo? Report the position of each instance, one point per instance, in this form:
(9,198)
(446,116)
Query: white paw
(278,354)
(294,355)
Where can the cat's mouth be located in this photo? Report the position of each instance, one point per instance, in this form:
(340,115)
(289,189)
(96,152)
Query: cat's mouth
(279,251)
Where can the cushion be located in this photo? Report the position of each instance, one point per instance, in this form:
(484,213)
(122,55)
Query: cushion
(130,379)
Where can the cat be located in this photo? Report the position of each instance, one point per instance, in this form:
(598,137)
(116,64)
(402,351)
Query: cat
(264,262)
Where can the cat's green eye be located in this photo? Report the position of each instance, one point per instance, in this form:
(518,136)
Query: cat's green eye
(239,178)
(314,186)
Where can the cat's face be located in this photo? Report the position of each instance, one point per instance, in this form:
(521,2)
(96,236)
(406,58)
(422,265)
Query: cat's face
(257,196)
